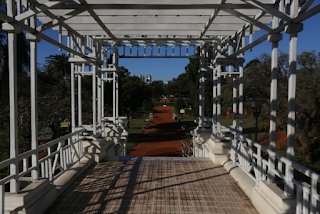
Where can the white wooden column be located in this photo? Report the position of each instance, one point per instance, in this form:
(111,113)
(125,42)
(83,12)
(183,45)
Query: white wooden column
(219,134)
(73,103)
(201,99)
(234,100)
(201,86)
(99,91)
(240,68)
(214,107)
(34,97)
(274,38)
(240,98)
(94,91)
(12,65)
(293,30)
(79,99)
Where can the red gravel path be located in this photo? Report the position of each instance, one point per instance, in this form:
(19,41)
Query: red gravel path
(162,137)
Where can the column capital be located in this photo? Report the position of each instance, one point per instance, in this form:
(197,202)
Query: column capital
(33,37)
(294,28)
(11,27)
(276,37)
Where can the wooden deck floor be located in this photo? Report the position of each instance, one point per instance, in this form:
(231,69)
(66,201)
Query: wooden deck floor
(154,185)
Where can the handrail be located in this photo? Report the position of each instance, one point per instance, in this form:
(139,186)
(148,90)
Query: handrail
(248,156)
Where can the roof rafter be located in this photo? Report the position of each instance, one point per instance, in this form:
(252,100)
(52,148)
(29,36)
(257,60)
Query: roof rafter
(60,20)
(37,10)
(212,17)
(269,9)
(153,6)
(52,16)
(248,19)
(94,15)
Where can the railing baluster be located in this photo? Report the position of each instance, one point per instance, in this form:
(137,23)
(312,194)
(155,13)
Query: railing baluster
(25,165)
(46,168)
(2,198)
(42,169)
(49,164)
(299,200)
(305,201)
(313,201)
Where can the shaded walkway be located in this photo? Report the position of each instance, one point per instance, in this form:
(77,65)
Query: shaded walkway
(162,137)
(154,185)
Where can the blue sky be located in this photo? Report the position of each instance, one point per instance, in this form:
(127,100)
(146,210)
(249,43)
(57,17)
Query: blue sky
(164,69)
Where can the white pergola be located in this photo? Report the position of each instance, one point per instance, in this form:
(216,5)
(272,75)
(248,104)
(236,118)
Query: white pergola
(155,29)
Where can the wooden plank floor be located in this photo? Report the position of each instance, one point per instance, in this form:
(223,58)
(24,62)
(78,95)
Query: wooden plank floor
(154,185)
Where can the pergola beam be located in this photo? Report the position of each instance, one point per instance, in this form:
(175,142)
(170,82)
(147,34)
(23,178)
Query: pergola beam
(37,10)
(212,17)
(58,21)
(269,9)
(152,6)
(96,17)
(248,19)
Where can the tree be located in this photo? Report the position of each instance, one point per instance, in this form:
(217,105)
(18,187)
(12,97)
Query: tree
(133,93)
(180,104)
(308,105)
(58,66)
(156,89)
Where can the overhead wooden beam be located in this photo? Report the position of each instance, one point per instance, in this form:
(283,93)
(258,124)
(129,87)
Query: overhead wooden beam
(212,17)
(269,9)
(98,20)
(153,6)
(248,19)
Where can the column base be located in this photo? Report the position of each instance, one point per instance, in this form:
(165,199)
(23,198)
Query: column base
(268,198)
(218,151)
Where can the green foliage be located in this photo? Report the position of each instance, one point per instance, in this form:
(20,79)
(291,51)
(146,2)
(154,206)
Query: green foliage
(180,104)
(179,88)
(58,66)
(148,105)
(156,89)
(133,93)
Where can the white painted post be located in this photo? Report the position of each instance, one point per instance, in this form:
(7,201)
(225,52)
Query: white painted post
(99,102)
(293,29)
(79,100)
(201,87)
(94,91)
(34,101)
(234,100)
(240,98)
(116,79)
(274,38)
(114,83)
(73,105)
(241,90)
(12,64)
(201,99)
(214,107)
(219,134)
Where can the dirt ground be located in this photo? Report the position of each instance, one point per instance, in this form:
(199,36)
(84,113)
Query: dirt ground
(162,137)
(281,139)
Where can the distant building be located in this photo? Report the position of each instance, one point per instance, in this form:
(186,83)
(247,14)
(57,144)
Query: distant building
(141,77)
(171,81)
(148,79)
(160,81)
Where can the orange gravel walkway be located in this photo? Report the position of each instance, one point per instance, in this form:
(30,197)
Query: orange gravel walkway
(162,137)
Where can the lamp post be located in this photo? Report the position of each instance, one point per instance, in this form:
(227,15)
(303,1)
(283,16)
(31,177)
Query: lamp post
(256,109)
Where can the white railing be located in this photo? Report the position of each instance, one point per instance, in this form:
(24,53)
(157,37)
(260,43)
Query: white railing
(60,155)
(186,148)
(254,159)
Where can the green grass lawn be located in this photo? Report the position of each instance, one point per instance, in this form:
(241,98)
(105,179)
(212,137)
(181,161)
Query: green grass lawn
(135,128)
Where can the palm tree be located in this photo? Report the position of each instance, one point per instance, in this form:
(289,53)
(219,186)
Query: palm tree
(58,66)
